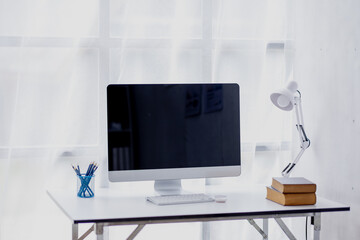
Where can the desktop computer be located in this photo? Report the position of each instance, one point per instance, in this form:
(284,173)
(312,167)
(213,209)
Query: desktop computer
(169,132)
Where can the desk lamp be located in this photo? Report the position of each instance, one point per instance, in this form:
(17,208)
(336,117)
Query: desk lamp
(286,99)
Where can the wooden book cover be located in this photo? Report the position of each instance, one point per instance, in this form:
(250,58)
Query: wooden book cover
(293,185)
(290,199)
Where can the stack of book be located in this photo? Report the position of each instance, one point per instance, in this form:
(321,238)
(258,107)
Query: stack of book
(292,191)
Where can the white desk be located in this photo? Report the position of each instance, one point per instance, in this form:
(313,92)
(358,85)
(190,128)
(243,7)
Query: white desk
(111,207)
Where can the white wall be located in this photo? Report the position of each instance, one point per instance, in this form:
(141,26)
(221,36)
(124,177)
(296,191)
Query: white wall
(327,68)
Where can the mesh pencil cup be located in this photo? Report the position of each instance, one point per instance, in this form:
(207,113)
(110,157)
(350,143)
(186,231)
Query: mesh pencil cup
(85,186)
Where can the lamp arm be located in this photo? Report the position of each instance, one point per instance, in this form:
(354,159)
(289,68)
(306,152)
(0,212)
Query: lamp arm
(304,140)
(288,169)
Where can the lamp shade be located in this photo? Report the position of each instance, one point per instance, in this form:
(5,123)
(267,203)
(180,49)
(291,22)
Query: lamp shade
(284,98)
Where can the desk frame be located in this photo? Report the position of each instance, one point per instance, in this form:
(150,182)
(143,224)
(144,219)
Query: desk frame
(112,210)
(98,227)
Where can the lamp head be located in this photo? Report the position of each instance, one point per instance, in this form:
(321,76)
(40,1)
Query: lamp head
(284,98)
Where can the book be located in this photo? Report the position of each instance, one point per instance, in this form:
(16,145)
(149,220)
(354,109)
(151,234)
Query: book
(290,199)
(293,185)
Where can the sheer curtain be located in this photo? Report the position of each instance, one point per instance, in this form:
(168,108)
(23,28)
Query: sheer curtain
(58,56)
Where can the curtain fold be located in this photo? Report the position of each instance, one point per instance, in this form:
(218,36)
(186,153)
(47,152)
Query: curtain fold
(57,57)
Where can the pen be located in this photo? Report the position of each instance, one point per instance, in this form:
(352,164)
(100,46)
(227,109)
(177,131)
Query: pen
(85,179)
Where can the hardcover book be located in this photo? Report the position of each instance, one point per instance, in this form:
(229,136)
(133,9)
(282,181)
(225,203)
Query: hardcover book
(293,185)
(290,199)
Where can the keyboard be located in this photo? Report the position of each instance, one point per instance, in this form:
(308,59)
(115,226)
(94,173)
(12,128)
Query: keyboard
(180,199)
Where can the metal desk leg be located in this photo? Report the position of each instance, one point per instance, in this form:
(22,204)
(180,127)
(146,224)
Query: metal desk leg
(317,225)
(285,228)
(266,227)
(99,231)
(75,231)
(205,230)
(136,231)
(87,232)
(254,224)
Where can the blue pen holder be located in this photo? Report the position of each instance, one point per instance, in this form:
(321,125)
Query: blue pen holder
(85,186)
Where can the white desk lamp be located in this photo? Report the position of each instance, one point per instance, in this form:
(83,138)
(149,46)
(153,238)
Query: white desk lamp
(286,99)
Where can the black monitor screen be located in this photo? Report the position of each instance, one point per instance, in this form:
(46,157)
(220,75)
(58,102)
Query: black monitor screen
(157,126)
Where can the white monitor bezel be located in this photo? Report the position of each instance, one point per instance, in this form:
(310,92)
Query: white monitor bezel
(175,173)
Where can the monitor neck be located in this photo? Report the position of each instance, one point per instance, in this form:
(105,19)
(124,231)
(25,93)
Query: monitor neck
(168,187)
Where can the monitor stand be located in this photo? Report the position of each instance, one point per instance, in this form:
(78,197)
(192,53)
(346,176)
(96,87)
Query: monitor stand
(168,187)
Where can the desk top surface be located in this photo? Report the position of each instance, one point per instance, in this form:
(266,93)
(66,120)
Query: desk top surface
(112,205)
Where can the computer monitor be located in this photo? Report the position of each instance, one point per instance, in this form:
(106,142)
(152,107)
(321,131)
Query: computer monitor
(169,132)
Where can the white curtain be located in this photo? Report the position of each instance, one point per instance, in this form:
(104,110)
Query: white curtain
(56,58)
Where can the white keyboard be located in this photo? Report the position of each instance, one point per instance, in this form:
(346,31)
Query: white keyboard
(180,199)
